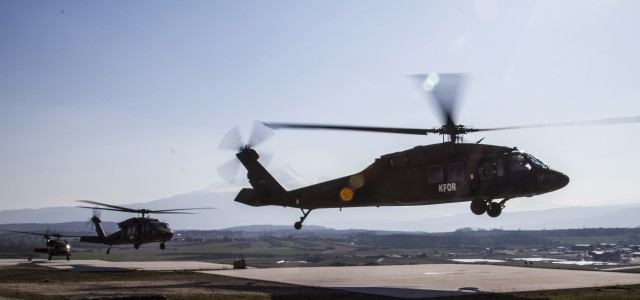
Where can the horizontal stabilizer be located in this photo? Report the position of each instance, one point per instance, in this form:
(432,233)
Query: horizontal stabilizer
(249,197)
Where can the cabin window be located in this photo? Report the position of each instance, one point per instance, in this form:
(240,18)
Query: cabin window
(485,170)
(499,167)
(435,174)
(456,172)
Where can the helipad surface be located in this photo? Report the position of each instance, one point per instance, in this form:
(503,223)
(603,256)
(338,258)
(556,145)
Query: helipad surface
(109,266)
(405,281)
(433,280)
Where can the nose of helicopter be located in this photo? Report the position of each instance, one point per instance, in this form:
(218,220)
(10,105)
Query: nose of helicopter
(552,180)
(167,235)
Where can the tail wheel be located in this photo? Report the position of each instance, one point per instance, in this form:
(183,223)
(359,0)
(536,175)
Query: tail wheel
(298,225)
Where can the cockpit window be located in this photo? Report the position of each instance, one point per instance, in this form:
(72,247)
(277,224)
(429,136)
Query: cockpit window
(525,162)
(536,162)
(519,163)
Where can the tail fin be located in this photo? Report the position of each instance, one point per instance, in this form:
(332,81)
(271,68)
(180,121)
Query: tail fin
(96,222)
(95,239)
(266,189)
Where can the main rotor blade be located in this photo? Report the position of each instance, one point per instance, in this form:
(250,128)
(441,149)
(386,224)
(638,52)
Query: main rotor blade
(57,235)
(116,208)
(624,120)
(139,211)
(176,210)
(416,131)
(445,88)
(26,232)
(111,209)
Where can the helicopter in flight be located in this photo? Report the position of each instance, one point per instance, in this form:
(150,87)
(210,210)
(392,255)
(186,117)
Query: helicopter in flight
(55,245)
(137,231)
(487,176)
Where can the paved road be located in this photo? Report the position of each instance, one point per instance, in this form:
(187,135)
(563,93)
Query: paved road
(433,280)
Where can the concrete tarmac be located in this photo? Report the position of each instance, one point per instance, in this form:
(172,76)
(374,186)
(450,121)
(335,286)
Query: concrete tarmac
(112,266)
(435,280)
(403,281)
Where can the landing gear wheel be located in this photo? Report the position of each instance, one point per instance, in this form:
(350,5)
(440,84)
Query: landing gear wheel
(49,256)
(108,249)
(68,257)
(162,246)
(136,246)
(479,206)
(298,225)
(495,209)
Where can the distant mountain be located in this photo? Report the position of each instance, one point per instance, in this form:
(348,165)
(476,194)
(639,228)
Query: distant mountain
(433,218)
(271,228)
(557,218)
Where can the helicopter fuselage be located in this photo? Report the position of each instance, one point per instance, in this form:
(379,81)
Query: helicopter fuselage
(134,231)
(141,230)
(435,174)
(423,175)
(55,247)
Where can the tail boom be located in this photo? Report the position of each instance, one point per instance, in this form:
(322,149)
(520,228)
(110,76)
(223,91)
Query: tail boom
(266,189)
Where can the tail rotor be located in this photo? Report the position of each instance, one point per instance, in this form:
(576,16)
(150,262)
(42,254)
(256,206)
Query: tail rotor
(90,225)
(234,141)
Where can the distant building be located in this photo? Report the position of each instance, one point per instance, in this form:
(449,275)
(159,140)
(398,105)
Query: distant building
(606,255)
(582,247)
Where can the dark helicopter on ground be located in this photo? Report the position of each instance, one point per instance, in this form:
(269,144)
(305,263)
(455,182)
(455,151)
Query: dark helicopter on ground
(137,231)
(55,245)
(452,171)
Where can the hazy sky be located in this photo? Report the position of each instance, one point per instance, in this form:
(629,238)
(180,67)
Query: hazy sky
(126,101)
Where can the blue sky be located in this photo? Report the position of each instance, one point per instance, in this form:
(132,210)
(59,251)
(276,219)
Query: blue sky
(125,102)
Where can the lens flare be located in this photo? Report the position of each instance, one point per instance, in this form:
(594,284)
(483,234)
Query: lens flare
(356,181)
(346,194)
(430,83)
